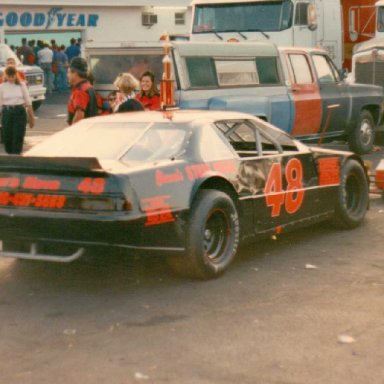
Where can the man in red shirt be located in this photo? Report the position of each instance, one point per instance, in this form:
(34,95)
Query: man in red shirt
(11,62)
(82,101)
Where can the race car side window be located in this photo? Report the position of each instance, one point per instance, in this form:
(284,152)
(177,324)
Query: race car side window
(247,139)
(214,146)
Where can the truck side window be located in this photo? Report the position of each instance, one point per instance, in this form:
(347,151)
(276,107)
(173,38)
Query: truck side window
(236,72)
(380,19)
(267,70)
(326,73)
(301,13)
(201,72)
(300,69)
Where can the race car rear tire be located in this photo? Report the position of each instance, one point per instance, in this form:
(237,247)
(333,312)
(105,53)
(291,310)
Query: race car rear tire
(212,236)
(362,138)
(353,196)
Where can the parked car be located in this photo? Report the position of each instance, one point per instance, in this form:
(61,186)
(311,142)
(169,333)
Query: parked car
(191,184)
(33,74)
(297,89)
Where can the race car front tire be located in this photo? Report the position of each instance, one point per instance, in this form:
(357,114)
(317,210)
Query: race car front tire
(212,236)
(353,196)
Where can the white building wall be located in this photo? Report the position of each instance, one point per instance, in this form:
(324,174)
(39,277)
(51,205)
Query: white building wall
(98,24)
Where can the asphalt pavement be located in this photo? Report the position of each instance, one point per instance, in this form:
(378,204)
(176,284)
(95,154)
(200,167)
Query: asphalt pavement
(302,308)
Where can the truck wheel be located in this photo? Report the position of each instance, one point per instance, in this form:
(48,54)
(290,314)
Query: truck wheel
(362,138)
(212,236)
(353,196)
(36,105)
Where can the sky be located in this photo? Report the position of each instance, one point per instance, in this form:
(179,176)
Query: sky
(60,37)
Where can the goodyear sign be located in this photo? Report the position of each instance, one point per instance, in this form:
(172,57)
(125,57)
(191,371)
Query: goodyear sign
(53,18)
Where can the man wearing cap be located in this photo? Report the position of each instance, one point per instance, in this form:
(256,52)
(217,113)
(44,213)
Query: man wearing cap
(82,101)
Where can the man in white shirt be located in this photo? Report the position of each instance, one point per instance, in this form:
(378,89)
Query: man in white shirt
(45,59)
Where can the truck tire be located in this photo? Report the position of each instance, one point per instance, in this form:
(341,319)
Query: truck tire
(362,138)
(36,104)
(353,196)
(212,236)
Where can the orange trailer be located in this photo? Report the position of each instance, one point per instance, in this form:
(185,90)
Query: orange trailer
(359,20)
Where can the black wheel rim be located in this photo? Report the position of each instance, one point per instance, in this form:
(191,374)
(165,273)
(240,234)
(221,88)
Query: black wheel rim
(216,235)
(366,132)
(353,193)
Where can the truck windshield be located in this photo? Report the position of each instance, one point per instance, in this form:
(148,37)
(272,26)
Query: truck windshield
(5,53)
(265,16)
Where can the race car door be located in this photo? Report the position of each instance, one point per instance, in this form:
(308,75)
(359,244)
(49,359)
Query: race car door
(277,179)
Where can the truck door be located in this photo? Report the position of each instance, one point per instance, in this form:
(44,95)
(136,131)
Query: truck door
(334,96)
(305,94)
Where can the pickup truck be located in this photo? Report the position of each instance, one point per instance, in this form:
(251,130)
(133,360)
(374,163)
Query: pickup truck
(33,74)
(299,90)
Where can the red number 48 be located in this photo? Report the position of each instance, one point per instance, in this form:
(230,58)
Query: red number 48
(293,197)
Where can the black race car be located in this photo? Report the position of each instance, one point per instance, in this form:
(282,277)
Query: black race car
(192,184)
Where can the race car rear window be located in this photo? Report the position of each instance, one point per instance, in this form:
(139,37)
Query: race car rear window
(104,140)
(158,142)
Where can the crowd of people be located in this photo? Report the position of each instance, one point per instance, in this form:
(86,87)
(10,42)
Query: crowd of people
(53,59)
(85,102)
(72,71)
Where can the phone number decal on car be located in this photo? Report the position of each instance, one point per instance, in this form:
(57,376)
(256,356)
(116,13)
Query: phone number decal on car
(31,200)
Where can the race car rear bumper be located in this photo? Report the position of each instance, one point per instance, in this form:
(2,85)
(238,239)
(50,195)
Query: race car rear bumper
(89,231)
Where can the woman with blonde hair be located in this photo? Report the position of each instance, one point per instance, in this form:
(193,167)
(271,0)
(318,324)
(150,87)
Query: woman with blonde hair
(16,107)
(125,98)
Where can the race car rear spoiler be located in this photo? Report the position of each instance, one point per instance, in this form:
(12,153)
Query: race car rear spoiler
(65,164)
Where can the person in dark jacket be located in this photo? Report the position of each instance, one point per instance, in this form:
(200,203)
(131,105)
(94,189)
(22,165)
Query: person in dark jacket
(125,101)
(82,100)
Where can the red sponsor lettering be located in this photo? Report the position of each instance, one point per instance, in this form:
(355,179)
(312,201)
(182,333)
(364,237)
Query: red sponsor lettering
(92,185)
(329,171)
(32,182)
(164,178)
(157,210)
(225,166)
(196,171)
(9,182)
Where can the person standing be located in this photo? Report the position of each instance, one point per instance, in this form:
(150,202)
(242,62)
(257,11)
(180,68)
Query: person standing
(82,100)
(45,56)
(73,50)
(16,109)
(24,52)
(61,60)
(11,62)
(125,100)
(149,95)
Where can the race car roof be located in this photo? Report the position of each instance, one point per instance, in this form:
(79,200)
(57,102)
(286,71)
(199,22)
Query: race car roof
(178,116)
